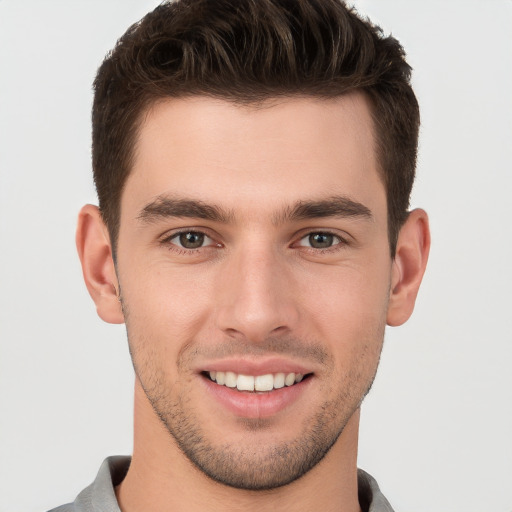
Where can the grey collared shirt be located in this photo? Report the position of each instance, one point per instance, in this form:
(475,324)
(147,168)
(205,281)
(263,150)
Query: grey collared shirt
(100,496)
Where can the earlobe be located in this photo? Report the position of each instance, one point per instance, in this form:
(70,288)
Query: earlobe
(95,252)
(408,267)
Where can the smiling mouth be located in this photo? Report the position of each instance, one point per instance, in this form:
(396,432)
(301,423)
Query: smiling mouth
(259,383)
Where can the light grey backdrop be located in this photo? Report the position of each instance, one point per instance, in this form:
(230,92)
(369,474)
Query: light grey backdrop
(436,429)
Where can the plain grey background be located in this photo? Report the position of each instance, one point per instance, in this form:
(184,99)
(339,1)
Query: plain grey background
(437,427)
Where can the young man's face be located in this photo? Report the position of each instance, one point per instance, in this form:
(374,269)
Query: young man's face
(253,244)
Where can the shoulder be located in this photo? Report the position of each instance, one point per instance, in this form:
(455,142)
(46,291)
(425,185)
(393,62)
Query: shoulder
(371,498)
(64,508)
(100,495)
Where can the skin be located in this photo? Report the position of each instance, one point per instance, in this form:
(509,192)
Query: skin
(256,293)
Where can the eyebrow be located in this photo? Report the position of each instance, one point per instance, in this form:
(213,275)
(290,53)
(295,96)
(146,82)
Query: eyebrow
(335,206)
(164,207)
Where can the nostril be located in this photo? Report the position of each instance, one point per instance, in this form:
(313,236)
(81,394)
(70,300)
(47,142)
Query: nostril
(233,333)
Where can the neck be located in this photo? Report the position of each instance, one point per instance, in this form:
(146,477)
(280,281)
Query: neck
(162,475)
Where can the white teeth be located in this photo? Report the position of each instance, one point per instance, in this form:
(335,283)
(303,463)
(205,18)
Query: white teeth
(266,382)
(289,379)
(230,380)
(279,380)
(245,383)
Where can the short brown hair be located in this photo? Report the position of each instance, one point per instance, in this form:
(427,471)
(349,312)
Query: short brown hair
(247,51)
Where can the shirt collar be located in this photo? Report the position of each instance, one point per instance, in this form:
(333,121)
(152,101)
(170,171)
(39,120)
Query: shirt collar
(100,495)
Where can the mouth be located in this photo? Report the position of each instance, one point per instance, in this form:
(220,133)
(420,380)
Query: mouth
(255,383)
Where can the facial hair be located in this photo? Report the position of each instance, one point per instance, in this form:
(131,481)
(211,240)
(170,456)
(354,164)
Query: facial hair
(249,465)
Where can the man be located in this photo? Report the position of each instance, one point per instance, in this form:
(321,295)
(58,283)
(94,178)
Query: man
(253,162)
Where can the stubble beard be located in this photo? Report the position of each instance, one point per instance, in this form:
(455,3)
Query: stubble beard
(251,466)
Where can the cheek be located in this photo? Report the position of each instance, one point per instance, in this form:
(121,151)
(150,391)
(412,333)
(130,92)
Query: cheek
(348,295)
(350,313)
(164,310)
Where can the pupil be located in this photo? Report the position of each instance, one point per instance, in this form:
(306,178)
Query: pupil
(191,240)
(320,240)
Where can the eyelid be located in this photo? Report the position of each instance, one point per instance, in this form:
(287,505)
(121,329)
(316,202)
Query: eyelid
(169,236)
(340,240)
(343,241)
(206,240)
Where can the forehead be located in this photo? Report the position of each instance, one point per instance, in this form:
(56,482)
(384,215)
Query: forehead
(268,155)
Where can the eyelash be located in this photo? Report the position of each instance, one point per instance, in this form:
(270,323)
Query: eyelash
(167,241)
(338,244)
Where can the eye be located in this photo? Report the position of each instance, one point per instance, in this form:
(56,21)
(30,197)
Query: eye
(190,239)
(320,240)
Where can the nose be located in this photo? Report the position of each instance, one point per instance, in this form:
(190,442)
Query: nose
(256,298)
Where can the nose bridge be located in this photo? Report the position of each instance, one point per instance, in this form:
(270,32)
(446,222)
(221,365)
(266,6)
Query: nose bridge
(255,300)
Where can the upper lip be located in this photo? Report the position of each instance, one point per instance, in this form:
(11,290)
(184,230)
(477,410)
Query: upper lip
(254,366)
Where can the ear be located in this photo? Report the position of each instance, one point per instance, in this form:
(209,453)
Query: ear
(95,252)
(411,257)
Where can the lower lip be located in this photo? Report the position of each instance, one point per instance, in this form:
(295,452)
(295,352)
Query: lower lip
(253,404)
